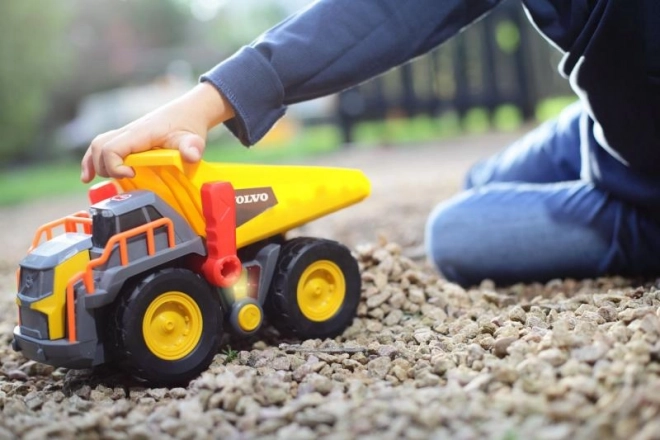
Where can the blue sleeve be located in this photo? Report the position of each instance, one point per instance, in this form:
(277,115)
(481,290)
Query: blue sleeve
(328,47)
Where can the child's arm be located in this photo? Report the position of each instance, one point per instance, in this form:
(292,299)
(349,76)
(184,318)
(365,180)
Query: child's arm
(325,48)
(182,124)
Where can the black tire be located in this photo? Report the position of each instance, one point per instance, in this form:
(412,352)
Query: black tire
(290,312)
(168,327)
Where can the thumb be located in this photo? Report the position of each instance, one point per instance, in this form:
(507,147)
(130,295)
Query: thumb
(191,147)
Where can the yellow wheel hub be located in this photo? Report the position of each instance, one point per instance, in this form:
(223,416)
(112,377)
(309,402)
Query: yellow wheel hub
(172,326)
(249,317)
(321,290)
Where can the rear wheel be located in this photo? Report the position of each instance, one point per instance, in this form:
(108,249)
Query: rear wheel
(168,327)
(315,290)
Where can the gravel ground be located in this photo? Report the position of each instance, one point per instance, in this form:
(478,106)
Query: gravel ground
(424,359)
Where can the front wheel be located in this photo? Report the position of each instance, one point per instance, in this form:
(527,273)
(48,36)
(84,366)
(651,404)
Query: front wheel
(315,290)
(168,327)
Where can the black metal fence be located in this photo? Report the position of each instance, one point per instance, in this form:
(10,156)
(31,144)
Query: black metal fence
(500,60)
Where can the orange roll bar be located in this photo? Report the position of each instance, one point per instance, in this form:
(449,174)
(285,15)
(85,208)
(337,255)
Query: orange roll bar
(120,239)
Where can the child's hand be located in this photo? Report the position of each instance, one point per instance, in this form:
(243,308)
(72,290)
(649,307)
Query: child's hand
(182,124)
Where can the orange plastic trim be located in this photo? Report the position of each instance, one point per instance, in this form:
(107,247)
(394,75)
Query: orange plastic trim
(70,224)
(70,307)
(121,239)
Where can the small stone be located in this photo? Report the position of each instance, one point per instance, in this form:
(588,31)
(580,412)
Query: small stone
(416,296)
(393,318)
(479,383)
(320,384)
(378,299)
(374,326)
(517,314)
(435,313)
(34,401)
(486,341)
(302,371)
(17,375)
(400,373)
(554,432)
(379,367)
(380,280)
(441,363)
(377,314)
(505,374)
(423,334)
(190,410)
(397,300)
(590,353)
(500,348)
(281,363)
(553,356)
(275,395)
(84,391)
(387,351)
(426,379)
(608,313)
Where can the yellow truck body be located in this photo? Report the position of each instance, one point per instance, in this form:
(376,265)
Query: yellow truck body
(301,193)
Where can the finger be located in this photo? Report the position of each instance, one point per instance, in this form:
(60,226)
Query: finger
(97,158)
(113,163)
(191,147)
(100,168)
(94,162)
(87,172)
(114,152)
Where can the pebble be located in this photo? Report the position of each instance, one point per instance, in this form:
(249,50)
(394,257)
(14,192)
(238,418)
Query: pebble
(379,367)
(590,353)
(501,346)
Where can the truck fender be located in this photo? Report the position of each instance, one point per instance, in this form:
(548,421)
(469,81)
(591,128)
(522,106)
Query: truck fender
(266,259)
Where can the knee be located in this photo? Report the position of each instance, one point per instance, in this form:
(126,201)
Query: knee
(448,240)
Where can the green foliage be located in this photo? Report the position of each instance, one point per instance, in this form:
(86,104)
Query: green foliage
(507,36)
(406,130)
(37,181)
(551,107)
(230,355)
(235,26)
(32,57)
(507,118)
(156,22)
(510,435)
(311,140)
(477,120)
(52,52)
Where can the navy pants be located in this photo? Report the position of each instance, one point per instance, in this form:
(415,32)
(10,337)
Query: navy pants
(527,215)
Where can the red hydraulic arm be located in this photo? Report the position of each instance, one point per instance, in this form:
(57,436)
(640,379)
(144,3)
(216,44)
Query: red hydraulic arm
(222,267)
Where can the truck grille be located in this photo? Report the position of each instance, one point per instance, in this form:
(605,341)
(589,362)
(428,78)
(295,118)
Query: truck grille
(35,283)
(33,323)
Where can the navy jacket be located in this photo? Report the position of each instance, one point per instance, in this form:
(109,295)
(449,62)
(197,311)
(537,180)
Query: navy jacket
(611,58)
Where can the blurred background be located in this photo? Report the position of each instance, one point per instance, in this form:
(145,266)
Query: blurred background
(72,69)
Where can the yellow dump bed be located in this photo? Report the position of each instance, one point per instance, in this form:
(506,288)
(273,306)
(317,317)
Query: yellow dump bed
(270,199)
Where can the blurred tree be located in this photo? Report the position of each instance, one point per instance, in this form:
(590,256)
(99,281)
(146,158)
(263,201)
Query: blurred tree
(235,26)
(118,41)
(157,23)
(32,58)
(67,49)
(53,53)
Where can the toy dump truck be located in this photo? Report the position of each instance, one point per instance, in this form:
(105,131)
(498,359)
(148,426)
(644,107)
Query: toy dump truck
(163,262)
